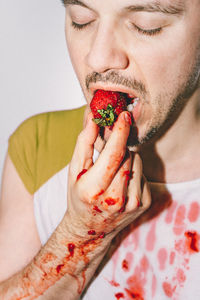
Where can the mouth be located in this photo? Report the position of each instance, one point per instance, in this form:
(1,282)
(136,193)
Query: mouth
(131,99)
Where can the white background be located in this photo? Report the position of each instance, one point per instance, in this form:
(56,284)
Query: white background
(35,70)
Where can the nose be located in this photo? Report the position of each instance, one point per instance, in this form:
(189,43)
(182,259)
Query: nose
(107,51)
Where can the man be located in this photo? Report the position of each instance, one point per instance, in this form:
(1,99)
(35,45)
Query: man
(110,242)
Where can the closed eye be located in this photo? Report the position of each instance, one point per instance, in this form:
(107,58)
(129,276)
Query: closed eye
(80,26)
(148,31)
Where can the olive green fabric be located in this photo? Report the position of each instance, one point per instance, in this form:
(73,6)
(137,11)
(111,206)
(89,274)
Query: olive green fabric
(43,145)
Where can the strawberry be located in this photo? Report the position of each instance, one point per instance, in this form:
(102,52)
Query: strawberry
(106,107)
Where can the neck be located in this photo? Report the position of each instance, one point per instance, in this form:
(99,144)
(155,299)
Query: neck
(175,157)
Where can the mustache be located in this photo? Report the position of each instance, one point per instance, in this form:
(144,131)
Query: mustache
(115,78)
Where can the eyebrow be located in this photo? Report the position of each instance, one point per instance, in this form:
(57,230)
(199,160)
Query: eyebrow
(157,6)
(74,2)
(154,6)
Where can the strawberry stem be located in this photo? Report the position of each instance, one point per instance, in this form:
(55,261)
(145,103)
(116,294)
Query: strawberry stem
(107,116)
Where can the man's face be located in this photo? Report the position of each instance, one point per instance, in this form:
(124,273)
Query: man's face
(149,49)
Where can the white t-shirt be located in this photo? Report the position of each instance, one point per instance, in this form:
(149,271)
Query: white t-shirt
(157,257)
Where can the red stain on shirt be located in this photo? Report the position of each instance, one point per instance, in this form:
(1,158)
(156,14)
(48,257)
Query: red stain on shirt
(179,224)
(127,262)
(192,241)
(151,237)
(110,201)
(132,239)
(119,295)
(114,258)
(172,257)
(194,211)
(134,295)
(114,283)
(162,257)
(170,213)
(81,174)
(168,289)
(137,281)
(180,276)
(125,265)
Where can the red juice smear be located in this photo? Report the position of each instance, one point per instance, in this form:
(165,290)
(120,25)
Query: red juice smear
(170,213)
(151,237)
(128,176)
(97,209)
(99,194)
(81,173)
(124,200)
(91,232)
(180,276)
(168,289)
(138,202)
(119,295)
(59,267)
(114,283)
(125,266)
(192,238)
(134,295)
(194,212)
(172,257)
(110,201)
(122,209)
(128,118)
(71,247)
(162,258)
(153,286)
(179,224)
(102,235)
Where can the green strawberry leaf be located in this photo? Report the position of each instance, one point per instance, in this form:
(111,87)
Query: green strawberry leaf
(108,116)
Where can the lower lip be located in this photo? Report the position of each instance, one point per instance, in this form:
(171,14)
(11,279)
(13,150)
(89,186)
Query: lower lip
(136,112)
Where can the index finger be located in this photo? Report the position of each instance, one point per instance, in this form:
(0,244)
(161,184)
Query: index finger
(103,171)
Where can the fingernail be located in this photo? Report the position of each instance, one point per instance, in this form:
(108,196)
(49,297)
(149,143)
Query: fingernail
(127,117)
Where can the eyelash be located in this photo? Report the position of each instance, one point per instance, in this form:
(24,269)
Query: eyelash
(150,32)
(79,26)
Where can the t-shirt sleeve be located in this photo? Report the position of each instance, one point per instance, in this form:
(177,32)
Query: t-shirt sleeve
(43,145)
(22,149)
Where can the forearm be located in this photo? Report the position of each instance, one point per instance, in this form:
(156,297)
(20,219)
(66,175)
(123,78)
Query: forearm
(63,266)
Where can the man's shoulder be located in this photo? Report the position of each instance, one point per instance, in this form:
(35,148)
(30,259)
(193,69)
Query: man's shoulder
(43,144)
(56,118)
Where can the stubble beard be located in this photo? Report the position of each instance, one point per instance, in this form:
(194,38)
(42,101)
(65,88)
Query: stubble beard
(163,120)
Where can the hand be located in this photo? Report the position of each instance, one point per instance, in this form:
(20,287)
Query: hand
(105,196)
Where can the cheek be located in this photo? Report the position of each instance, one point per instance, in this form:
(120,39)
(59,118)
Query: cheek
(74,55)
(75,49)
(162,65)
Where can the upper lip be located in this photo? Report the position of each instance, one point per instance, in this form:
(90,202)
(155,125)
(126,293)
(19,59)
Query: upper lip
(95,87)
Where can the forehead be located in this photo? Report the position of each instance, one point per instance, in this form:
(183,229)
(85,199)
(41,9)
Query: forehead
(171,5)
